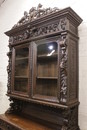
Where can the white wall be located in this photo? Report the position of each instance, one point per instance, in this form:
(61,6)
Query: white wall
(10,12)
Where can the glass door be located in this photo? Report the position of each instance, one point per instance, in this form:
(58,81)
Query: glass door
(21,69)
(46,71)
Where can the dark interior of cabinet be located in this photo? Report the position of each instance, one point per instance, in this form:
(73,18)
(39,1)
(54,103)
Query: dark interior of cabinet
(21,69)
(47,74)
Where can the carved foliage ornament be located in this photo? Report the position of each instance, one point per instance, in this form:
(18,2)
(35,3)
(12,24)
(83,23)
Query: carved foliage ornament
(63,70)
(9,54)
(32,32)
(34,13)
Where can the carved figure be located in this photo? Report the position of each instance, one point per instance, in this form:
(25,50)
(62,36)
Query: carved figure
(35,13)
(32,13)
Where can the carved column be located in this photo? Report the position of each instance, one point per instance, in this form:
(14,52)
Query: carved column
(63,70)
(9,67)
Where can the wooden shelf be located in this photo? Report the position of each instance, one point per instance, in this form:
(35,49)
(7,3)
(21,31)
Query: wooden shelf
(21,58)
(46,56)
(47,77)
(24,77)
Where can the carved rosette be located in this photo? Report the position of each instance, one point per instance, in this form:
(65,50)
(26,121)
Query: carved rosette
(9,54)
(63,70)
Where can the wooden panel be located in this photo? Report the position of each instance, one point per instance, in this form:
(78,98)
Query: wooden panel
(73,70)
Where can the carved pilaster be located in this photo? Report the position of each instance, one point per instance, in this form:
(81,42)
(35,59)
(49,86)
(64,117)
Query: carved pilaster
(63,70)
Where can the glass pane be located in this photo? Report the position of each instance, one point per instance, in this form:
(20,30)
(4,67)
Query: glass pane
(47,73)
(21,84)
(47,69)
(21,69)
(22,52)
(46,87)
(47,60)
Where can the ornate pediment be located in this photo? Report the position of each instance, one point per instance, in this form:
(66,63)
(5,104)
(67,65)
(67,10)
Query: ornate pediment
(35,13)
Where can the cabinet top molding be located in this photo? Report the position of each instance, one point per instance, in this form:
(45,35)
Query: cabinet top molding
(39,15)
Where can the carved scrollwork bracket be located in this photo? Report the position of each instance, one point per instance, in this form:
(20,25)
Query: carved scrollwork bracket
(63,70)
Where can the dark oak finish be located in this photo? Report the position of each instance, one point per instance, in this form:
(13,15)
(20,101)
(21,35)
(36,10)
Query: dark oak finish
(15,122)
(43,70)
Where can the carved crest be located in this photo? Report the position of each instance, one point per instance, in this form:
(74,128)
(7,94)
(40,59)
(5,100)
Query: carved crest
(34,13)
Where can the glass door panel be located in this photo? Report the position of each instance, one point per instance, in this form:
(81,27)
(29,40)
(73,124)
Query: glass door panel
(47,72)
(21,69)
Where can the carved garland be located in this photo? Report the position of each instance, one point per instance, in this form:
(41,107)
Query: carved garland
(63,70)
(32,32)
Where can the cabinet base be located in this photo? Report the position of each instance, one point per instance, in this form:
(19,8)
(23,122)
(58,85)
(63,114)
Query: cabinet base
(54,118)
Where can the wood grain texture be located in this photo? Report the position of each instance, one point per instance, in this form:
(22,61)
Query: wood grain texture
(51,96)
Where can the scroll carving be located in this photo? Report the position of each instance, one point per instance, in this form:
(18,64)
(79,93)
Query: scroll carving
(63,70)
(33,32)
(35,13)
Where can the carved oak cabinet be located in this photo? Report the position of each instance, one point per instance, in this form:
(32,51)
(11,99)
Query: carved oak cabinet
(43,69)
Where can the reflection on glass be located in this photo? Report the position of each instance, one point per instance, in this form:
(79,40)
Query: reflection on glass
(47,60)
(46,80)
(47,49)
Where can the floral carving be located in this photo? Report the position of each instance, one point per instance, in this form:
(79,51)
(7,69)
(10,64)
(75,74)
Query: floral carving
(63,70)
(32,32)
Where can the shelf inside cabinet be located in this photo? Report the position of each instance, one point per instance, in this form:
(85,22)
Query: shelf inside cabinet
(46,87)
(24,77)
(47,78)
(47,56)
(21,58)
